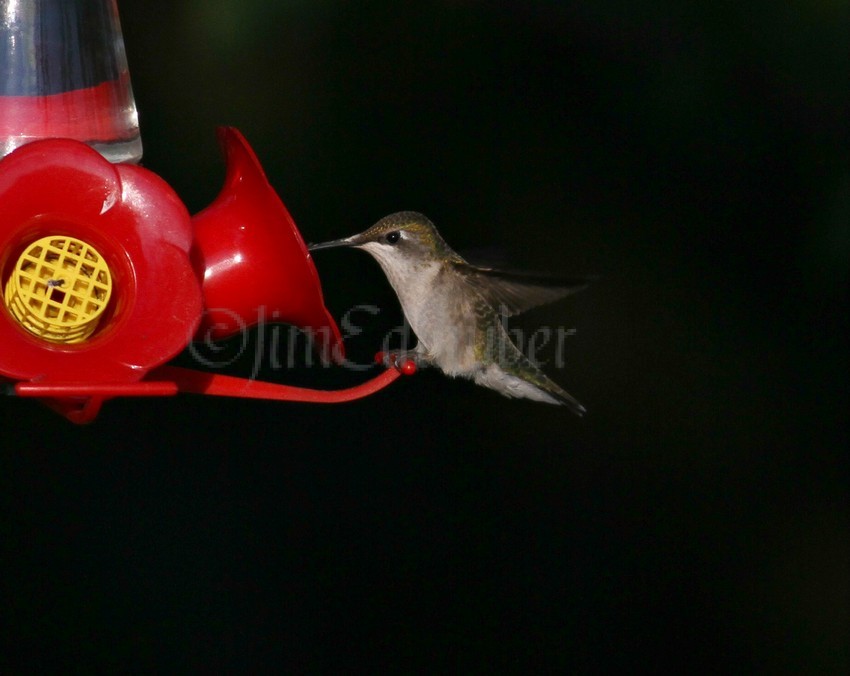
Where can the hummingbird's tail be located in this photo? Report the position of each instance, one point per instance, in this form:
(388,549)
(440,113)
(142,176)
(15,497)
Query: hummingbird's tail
(561,397)
(527,382)
(564,398)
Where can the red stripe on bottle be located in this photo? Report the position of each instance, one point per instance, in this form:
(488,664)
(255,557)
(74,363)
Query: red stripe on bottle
(104,113)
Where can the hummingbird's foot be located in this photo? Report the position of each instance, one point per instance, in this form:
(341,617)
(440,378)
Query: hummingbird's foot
(406,361)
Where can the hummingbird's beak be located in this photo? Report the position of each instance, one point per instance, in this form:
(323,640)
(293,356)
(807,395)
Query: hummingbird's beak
(332,244)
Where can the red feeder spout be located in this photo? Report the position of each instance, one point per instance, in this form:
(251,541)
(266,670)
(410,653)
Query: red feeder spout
(253,261)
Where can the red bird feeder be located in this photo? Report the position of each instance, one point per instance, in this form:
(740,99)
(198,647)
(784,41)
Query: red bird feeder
(104,275)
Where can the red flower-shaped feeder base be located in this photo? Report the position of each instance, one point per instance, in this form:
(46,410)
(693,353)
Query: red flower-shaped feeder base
(105,277)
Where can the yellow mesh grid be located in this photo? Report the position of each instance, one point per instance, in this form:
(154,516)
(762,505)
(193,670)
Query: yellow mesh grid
(59,288)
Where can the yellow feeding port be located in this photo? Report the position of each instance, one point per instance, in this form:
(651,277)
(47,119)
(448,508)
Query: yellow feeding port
(59,289)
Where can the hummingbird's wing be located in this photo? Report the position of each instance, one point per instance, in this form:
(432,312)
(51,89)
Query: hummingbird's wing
(511,293)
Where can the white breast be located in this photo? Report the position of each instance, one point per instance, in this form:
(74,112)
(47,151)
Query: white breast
(437,310)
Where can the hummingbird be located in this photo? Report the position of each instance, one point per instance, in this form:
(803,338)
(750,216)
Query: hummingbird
(456,308)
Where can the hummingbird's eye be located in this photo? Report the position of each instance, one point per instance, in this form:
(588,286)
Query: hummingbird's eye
(393,237)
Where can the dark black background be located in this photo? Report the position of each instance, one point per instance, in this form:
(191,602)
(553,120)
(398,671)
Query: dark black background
(694,155)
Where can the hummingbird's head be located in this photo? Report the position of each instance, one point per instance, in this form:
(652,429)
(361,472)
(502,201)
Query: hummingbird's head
(406,237)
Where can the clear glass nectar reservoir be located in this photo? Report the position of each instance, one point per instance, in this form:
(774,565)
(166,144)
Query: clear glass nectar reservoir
(63,73)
